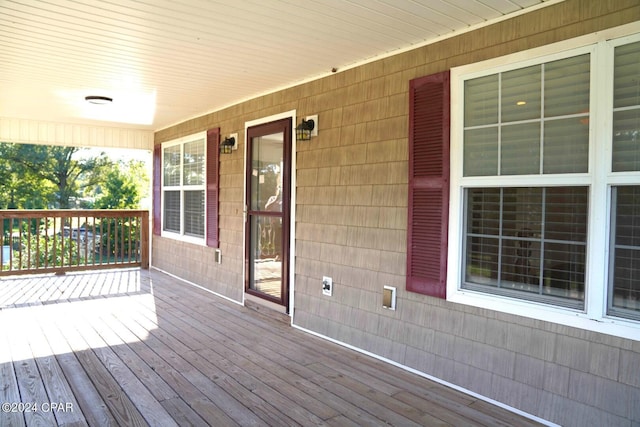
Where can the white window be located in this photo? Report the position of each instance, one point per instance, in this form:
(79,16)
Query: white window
(623,298)
(545,195)
(183,188)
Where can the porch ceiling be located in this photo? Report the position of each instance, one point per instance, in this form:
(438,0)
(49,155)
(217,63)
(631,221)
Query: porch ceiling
(164,61)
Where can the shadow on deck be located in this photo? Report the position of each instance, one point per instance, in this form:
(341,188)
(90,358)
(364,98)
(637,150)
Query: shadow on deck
(137,347)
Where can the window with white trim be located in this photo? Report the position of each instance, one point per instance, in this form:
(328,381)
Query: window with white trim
(183,187)
(623,297)
(546,181)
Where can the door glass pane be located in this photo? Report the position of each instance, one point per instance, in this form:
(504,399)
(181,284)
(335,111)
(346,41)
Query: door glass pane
(266,173)
(266,215)
(266,255)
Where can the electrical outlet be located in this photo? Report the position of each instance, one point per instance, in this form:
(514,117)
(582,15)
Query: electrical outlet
(327,286)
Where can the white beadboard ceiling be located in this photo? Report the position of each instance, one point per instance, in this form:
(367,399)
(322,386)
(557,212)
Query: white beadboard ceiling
(165,61)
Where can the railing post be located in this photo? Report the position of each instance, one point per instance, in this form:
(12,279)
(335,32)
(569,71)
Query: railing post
(144,241)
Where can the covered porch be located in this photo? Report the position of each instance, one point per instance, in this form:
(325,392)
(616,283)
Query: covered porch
(138,347)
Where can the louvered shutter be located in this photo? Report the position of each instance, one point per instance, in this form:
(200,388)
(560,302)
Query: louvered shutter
(428,184)
(157,189)
(213,152)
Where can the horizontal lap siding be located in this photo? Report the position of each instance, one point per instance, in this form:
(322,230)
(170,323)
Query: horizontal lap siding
(351,224)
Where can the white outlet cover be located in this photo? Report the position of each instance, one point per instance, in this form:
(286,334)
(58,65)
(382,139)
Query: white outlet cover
(389,297)
(327,282)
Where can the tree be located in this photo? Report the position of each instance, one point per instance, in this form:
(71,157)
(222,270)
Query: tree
(20,190)
(42,168)
(121,186)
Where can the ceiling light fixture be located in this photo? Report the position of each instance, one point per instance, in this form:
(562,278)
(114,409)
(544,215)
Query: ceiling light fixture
(95,99)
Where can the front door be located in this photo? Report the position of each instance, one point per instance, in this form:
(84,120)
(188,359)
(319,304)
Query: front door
(268,212)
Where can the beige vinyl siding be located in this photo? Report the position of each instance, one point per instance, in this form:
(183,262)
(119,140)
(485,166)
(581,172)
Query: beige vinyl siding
(351,219)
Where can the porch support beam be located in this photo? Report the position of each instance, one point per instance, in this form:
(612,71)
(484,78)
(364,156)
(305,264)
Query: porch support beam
(69,134)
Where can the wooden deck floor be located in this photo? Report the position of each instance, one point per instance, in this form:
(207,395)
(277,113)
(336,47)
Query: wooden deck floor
(136,348)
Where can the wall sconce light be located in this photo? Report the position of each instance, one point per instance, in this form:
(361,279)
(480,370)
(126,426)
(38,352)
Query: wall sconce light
(304,129)
(227,145)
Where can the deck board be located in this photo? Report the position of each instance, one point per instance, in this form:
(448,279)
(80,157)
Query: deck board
(135,347)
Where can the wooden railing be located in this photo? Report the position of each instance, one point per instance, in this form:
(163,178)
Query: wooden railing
(44,241)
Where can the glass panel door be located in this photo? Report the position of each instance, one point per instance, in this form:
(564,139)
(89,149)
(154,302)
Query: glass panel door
(268,185)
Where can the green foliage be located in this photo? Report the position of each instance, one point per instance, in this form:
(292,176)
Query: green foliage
(121,186)
(19,189)
(119,237)
(40,177)
(47,251)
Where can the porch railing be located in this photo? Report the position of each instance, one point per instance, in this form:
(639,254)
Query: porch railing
(43,241)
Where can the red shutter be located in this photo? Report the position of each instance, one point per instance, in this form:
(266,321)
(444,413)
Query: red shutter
(157,190)
(213,153)
(428,184)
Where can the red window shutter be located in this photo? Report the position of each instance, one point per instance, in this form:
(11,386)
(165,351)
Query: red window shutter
(213,153)
(427,228)
(157,189)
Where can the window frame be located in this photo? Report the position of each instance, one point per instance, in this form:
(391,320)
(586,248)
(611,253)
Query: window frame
(182,188)
(502,283)
(599,178)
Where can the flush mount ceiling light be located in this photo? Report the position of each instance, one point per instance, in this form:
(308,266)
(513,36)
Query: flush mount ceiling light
(96,99)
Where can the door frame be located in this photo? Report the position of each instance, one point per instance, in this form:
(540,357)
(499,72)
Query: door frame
(292,207)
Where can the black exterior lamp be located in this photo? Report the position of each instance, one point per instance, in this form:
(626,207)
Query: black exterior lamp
(303,130)
(227,145)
